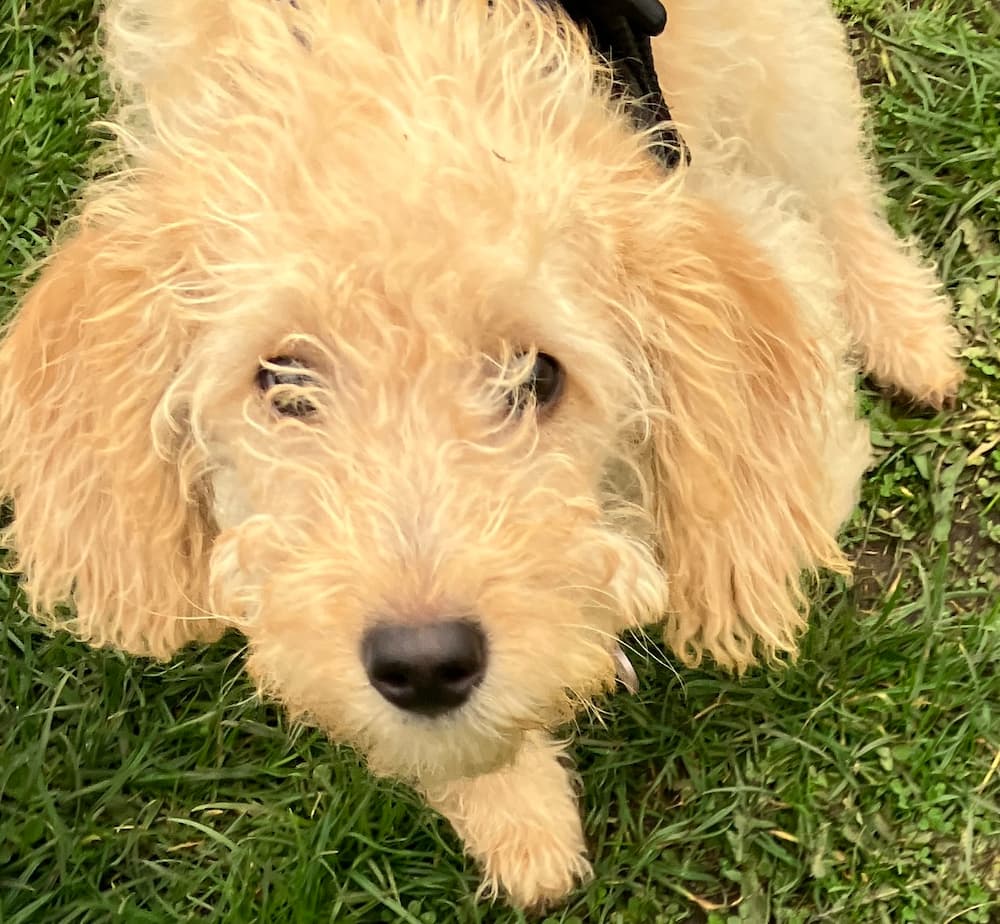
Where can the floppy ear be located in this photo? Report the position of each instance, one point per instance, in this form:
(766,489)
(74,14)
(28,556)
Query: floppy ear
(756,450)
(103,499)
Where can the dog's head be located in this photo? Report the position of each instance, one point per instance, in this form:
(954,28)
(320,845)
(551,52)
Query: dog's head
(391,346)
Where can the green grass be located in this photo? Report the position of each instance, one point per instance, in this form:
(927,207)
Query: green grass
(860,785)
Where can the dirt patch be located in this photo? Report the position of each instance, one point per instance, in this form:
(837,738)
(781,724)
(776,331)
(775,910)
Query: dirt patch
(876,568)
(866,52)
(975,554)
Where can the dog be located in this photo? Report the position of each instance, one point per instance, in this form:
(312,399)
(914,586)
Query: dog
(383,338)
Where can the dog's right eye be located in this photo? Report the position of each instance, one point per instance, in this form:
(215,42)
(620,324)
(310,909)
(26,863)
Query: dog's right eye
(284,382)
(543,386)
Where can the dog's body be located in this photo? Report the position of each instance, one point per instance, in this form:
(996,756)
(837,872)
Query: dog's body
(390,337)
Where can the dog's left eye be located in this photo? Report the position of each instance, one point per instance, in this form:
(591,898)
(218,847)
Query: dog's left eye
(284,380)
(543,385)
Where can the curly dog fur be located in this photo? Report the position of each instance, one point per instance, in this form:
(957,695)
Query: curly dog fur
(410,199)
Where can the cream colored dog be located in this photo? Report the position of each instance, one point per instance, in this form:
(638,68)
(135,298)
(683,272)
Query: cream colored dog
(390,344)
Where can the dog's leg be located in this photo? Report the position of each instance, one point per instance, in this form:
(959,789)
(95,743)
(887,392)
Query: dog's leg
(521,823)
(776,77)
(897,313)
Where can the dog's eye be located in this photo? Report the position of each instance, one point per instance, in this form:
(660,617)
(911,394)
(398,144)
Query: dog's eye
(283,381)
(543,385)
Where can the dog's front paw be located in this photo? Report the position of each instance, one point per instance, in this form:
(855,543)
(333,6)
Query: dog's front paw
(522,824)
(535,865)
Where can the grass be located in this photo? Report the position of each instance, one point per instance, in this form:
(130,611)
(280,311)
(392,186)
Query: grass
(861,785)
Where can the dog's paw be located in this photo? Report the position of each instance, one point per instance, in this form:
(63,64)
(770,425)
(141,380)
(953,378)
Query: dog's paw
(915,355)
(925,373)
(522,825)
(535,866)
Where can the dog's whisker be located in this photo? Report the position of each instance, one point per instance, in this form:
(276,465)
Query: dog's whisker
(647,649)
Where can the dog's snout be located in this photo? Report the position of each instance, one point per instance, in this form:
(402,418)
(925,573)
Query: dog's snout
(427,669)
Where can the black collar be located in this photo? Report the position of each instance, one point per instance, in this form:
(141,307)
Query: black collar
(620,32)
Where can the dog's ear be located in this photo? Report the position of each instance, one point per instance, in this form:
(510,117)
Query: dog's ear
(741,430)
(104,507)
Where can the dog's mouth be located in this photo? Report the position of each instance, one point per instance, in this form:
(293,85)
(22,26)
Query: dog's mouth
(426,750)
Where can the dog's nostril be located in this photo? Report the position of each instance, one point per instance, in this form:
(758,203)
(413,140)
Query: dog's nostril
(394,676)
(455,673)
(428,669)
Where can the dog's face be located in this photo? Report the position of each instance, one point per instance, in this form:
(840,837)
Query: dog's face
(409,414)
(409,474)
(404,385)
(427,380)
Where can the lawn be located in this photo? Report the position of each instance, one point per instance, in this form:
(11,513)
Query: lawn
(860,785)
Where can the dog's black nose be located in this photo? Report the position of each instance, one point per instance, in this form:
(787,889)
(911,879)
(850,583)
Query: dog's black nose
(427,669)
